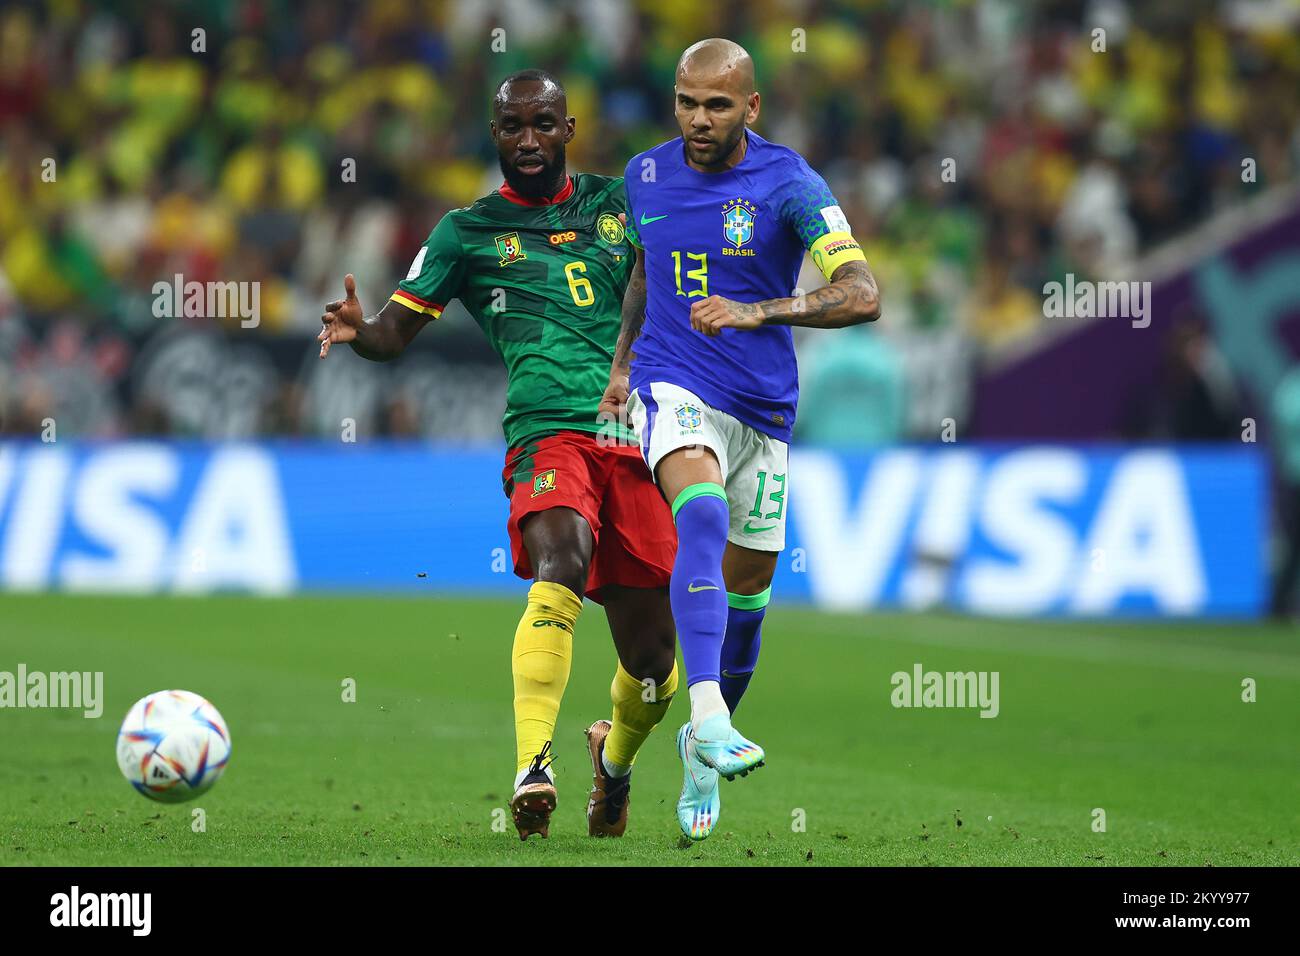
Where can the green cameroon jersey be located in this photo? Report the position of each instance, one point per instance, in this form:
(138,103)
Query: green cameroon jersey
(545,283)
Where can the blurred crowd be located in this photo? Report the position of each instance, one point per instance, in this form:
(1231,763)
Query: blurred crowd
(979,149)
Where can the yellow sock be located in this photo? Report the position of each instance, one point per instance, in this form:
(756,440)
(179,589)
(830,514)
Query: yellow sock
(634,715)
(540,662)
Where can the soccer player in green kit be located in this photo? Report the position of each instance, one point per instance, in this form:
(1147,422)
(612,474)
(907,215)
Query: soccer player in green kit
(542,264)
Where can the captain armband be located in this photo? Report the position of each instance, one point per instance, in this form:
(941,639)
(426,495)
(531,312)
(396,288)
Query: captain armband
(833,250)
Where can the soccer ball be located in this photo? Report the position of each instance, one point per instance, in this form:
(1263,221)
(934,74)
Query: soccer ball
(173,746)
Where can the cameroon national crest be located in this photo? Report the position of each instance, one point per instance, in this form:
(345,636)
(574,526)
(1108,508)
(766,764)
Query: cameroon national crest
(609,228)
(544,482)
(509,248)
(738,221)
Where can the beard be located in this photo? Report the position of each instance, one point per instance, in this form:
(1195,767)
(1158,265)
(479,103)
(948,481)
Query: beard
(718,153)
(540,185)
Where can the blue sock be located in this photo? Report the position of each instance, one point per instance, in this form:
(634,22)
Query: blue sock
(697,592)
(741,645)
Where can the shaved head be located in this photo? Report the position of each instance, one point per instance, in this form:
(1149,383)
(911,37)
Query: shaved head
(535,84)
(714,61)
(715,102)
(530,127)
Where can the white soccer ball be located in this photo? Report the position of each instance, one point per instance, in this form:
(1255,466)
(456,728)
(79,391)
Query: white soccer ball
(173,746)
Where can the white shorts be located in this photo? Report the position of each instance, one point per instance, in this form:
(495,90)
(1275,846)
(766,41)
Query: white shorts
(753,464)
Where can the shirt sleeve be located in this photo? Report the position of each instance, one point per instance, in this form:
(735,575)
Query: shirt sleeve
(630,227)
(437,273)
(807,206)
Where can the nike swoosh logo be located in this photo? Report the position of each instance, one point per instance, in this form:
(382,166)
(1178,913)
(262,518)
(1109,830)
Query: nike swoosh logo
(708,587)
(749,530)
(646,222)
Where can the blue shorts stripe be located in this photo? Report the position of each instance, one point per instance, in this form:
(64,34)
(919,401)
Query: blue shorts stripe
(651,413)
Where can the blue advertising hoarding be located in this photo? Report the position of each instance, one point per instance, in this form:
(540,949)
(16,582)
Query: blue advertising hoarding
(1016,530)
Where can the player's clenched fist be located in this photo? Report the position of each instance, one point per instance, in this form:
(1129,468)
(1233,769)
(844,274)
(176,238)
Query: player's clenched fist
(341,318)
(710,316)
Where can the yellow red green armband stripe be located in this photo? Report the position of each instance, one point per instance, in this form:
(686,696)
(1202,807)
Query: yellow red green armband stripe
(833,250)
(416,304)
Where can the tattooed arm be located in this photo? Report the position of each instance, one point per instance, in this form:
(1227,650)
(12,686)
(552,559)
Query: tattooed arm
(851,298)
(616,392)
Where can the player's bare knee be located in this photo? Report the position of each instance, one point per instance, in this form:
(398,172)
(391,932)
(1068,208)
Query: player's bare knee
(566,567)
(559,544)
(682,467)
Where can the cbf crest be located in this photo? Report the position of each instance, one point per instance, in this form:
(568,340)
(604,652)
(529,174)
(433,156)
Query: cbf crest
(689,417)
(738,224)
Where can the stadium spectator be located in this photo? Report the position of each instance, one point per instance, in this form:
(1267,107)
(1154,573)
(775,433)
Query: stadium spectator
(291,140)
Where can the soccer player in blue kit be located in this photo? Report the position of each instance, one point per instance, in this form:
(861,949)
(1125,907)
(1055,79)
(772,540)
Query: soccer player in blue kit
(705,366)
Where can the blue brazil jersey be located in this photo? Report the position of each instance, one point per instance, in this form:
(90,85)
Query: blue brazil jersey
(740,234)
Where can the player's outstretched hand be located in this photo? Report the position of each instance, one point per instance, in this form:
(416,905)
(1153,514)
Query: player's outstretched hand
(341,318)
(614,402)
(710,316)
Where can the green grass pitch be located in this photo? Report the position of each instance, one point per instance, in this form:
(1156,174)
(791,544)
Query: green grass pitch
(1145,722)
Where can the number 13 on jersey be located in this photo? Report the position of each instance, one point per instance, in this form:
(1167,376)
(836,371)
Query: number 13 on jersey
(700,275)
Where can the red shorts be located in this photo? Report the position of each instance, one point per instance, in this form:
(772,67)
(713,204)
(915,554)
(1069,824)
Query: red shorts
(610,486)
